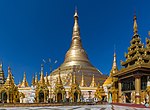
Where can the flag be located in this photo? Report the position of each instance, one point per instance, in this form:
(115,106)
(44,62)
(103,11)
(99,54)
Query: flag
(55,61)
(44,61)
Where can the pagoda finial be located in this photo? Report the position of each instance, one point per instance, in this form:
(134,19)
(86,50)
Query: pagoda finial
(33,80)
(76,30)
(24,82)
(42,75)
(59,81)
(82,84)
(36,79)
(135,27)
(114,66)
(9,69)
(93,84)
(46,80)
(9,80)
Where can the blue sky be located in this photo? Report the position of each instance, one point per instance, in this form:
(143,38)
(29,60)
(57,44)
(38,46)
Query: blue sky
(32,30)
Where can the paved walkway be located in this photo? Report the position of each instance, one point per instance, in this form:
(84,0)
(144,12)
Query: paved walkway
(82,107)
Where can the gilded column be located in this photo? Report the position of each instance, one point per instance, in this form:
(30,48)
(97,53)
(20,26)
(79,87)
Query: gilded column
(78,98)
(137,89)
(44,97)
(119,92)
(7,97)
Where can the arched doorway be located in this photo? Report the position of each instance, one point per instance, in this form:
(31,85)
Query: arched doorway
(59,97)
(4,97)
(75,97)
(41,96)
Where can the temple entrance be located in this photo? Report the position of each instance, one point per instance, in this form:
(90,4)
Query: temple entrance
(75,97)
(4,97)
(128,97)
(41,96)
(59,97)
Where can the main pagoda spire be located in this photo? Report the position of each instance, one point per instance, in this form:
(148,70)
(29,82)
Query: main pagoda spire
(76,60)
(76,55)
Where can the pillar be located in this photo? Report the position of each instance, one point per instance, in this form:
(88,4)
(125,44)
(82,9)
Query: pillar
(45,97)
(119,92)
(78,98)
(137,89)
(7,97)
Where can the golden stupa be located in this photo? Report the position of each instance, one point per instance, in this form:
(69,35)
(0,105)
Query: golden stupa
(76,61)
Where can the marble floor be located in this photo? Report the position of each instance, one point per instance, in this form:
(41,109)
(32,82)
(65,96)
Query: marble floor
(82,107)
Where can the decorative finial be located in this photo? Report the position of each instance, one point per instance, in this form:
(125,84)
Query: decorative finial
(9,69)
(59,81)
(82,84)
(76,30)
(135,27)
(76,12)
(36,79)
(114,65)
(46,80)
(33,81)
(24,82)
(93,84)
(42,67)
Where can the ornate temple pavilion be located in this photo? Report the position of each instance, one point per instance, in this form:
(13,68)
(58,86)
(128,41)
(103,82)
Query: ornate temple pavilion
(131,84)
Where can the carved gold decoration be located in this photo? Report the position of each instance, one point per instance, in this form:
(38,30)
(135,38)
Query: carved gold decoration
(9,91)
(41,91)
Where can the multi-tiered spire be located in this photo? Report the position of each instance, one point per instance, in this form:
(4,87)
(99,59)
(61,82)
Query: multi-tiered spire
(135,27)
(135,51)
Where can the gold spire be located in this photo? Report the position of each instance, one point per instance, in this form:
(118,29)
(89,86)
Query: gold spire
(135,27)
(36,79)
(42,81)
(114,66)
(24,82)
(93,84)
(76,55)
(46,80)
(74,78)
(59,81)
(9,80)
(33,81)
(71,80)
(82,84)
(76,29)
